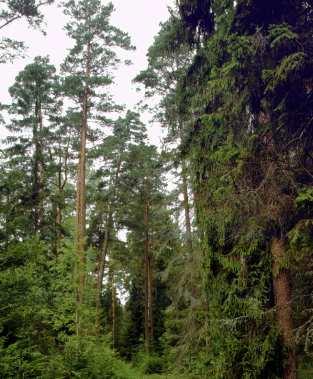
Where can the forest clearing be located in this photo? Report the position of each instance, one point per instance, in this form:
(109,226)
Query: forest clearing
(156,189)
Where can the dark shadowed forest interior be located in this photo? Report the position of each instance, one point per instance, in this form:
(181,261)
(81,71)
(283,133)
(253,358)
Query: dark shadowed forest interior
(188,259)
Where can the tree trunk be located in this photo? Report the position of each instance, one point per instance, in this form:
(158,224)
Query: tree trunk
(38,167)
(58,211)
(186,203)
(148,284)
(61,183)
(186,206)
(113,294)
(81,196)
(105,248)
(81,204)
(101,264)
(282,292)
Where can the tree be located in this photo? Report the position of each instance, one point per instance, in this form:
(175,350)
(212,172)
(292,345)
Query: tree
(166,67)
(253,58)
(88,69)
(34,100)
(147,218)
(14,9)
(11,11)
(113,154)
(236,93)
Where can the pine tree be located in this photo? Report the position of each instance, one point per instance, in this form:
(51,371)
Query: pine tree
(11,11)
(145,215)
(33,96)
(166,68)
(112,154)
(88,68)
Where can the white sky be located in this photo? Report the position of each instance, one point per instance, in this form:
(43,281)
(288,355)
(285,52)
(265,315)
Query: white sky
(140,18)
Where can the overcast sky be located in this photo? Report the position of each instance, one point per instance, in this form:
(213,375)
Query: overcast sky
(140,18)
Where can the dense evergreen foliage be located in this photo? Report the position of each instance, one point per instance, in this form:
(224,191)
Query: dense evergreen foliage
(121,259)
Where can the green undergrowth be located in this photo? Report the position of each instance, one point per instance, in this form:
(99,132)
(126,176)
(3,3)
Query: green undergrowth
(85,358)
(164,376)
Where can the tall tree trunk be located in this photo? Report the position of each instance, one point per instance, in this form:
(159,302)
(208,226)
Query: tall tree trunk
(61,183)
(281,283)
(148,283)
(114,325)
(38,167)
(58,211)
(105,248)
(186,206)
(186,202)
(282,292)
(81,196)
(101,263)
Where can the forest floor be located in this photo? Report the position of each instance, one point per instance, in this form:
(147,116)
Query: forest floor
(162,376)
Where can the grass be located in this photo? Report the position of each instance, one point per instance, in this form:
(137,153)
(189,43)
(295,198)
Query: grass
(163,376)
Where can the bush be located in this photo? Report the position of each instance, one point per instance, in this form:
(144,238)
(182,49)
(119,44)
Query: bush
(84,357)
(149,364)
(92,358)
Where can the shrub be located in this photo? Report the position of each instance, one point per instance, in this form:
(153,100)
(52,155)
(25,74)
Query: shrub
(149,364)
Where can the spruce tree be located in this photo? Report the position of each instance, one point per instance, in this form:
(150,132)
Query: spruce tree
(249,66)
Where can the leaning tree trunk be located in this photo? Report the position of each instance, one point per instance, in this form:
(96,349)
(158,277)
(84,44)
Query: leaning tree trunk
(283,303)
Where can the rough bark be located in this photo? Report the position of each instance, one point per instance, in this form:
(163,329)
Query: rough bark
(282,292)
